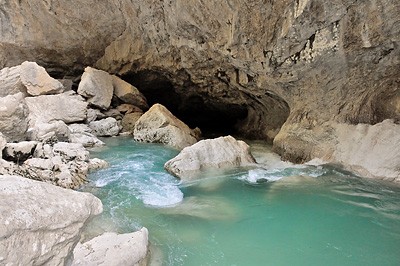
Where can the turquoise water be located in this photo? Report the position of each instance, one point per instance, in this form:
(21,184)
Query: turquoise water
(313,216)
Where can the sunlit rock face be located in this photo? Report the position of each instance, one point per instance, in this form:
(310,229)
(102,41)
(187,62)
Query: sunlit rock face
(245,67)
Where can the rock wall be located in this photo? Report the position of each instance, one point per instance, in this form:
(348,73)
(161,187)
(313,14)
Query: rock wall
(283,71)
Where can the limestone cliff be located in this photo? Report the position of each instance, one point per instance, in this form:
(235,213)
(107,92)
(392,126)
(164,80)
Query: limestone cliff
(285,71)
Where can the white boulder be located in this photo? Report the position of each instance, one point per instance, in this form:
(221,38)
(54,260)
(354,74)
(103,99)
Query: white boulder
(81,133)
(111,249)
(96,85)
(41,223)
(13,117)
(161,126)
(43,131)
(105,128)
(67,107)
(128,93)
(210,153)
(10,81)
(37,81)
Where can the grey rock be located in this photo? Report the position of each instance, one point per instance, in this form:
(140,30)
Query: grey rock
(210,153)
(44,131)
(14,117)
(111,249)
(3,143)
(10,81)
(105,128)
(42,220)
(93,115)
(67,107)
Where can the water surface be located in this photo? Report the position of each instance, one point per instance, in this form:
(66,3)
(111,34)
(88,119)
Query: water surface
(280,215)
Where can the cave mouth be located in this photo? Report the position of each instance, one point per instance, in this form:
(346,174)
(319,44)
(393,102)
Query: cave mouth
(212,117)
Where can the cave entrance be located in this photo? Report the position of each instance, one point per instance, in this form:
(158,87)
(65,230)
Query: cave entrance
(213,117)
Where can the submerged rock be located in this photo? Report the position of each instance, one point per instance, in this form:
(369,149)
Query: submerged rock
(210,153)
(41,223)
(160,126)
(111,249)
(14,117)
(96,86)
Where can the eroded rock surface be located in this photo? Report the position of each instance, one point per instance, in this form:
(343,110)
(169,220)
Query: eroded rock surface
(111,249)
(107,127)
(210,153)
(14,117)
(160,126)
(42,221)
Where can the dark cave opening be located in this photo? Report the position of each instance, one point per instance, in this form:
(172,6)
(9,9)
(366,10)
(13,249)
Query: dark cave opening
(210,115)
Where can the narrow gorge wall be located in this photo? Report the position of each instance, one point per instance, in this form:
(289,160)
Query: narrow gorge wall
(283,71)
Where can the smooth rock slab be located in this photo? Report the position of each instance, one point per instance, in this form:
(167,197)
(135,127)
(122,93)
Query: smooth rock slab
(96,85)
(67,107)
(41,223)
(160,126)
(210,153)
(111,249)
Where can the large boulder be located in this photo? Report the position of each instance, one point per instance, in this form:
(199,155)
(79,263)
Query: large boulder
(111,249)
(105,128)
(128,93)
(13,117)
(41,223)
(210,153)
(44,131)
(96,85)
(19,152)
(67,107)
(37,81)
(160,126)
(10,81)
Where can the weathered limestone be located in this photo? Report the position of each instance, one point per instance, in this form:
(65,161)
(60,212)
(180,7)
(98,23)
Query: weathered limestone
(373,151)
(81,133)
(44,131)
(42,221)
(67,107)
(37,81)
(128,93)
(161,126)
(111,249)
(97,163)
(10,81)
(129,120)
(13,117)
(96,85)
(19,152)
(107,127)
(209,153)
(93,115)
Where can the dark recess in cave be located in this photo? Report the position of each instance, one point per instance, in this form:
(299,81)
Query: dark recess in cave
(212,118)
